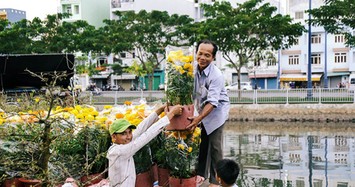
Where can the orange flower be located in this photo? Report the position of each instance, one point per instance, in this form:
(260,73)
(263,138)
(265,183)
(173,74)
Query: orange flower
(119,116)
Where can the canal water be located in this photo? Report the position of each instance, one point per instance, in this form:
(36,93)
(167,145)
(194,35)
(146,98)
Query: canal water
(290,154)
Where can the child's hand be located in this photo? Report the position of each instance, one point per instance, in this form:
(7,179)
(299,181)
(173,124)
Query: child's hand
(160,109)
(176,110)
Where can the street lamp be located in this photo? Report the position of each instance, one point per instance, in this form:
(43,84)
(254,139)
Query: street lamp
(309,72)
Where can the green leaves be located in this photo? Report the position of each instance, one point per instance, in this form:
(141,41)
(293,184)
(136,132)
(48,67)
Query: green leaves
(336,17)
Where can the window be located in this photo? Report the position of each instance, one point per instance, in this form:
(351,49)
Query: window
(315,59)
(123,55)
(316,39)
(339,57)
(67,9)
(298,15)
(293,59)
(76,9)
(339,38)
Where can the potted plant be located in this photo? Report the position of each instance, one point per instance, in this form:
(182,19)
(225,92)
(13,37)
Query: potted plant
(182,148)
(32,126)
(160,156)
(94,141)
(180,84)
(143,163)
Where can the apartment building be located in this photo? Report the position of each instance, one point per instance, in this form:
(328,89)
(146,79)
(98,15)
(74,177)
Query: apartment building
(12,15)
(92,11)
(331,61)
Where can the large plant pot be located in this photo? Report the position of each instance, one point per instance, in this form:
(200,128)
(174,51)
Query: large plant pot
(14,182)
(144,179)
(163,177)
(181,122)
(30,182)
(91,179)
(179,182)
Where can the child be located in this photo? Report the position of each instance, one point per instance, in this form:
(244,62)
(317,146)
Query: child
(126,143)
(227,172)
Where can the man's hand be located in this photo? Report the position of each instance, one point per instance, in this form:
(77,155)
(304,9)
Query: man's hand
(194,122)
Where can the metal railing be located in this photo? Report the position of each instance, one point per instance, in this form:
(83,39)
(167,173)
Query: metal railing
(282,96)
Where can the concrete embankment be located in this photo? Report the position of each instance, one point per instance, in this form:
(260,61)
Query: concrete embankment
(293,112)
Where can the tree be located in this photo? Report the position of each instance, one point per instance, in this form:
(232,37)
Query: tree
(14,37)
(147,34)
(246,30)
(337,17)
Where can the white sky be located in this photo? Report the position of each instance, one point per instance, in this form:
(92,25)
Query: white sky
(33,8)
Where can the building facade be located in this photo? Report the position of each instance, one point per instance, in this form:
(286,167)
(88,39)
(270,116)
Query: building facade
(12,15)
(92,11)
(331,60)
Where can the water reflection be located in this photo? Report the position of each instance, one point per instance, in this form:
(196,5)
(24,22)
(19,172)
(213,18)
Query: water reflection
(292,154)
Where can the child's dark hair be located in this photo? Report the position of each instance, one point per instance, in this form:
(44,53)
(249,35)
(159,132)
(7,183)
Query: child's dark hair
(215,48)
(227,170)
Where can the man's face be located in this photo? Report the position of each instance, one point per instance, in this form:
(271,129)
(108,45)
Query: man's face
(123,138)
(204,55)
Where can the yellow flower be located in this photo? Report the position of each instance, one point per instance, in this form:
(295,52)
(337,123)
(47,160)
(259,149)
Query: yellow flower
(95,113)
(127,102)
(189,150)
(37,99)
(197,132)
(107,106)
(135,121)
(187,66)
(162,114)
(181,146)
(187,59)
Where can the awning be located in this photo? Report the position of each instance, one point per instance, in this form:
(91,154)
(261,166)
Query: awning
(299,77)
(100,76)
(124,77)
(336,74)
(262,75)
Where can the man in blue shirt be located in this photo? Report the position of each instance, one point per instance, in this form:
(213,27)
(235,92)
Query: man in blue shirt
(212,102)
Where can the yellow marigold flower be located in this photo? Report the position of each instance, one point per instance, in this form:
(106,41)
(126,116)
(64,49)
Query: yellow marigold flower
(107,106)
(189,150)
(197,132)
(187,66)
(181,71)
(181,146)
(2,121)
(95,113)
(190,74)
(101,119)
(37,99)
(128,111)
(78,107)
(162,114)
(68,109)
(79,116)
(75,112)
(135,122)
(185,59)
(119,116)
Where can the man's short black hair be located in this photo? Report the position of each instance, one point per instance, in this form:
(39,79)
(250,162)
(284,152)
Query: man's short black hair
(215,48)
(227,170)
